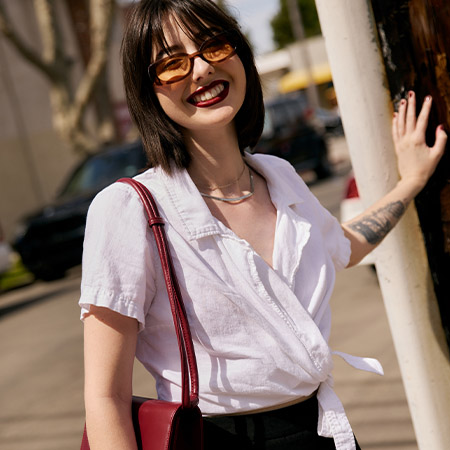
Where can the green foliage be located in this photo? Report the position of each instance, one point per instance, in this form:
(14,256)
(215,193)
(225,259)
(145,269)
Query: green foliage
(281,25)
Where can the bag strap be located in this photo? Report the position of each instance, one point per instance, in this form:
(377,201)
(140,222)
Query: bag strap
(189,369)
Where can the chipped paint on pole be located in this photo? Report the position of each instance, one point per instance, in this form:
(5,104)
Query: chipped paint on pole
(416,49)
(365,103)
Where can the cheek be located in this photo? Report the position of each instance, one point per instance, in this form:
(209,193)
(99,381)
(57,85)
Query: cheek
(167,101)
(240,77)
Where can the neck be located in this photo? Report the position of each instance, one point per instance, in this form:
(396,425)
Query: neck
(215,161)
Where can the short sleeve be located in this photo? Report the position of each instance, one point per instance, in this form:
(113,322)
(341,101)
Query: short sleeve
(118,270)
(332,234)
(337,244)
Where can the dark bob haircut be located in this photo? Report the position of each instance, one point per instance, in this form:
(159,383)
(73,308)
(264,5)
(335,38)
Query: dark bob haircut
(161,136)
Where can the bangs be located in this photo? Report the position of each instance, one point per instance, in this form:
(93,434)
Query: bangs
(163,139)
(197,25)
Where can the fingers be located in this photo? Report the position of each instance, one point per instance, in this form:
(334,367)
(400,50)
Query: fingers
(401,128)
(395,133)
(411,113)
(405,120)
(422,120)
(405,123)
(441,140)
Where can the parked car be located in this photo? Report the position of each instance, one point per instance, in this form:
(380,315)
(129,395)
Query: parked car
(291,133)
(50,240)
(331,121)
(5,253)
(352,206)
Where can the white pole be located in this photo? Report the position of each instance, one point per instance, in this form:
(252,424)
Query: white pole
(364,101)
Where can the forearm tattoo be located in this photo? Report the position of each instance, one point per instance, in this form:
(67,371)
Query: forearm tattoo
(376,225)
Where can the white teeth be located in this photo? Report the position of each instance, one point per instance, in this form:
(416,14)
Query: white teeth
(210,94)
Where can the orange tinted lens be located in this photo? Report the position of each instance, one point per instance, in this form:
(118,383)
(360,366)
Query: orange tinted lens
(173,68)
(218,51)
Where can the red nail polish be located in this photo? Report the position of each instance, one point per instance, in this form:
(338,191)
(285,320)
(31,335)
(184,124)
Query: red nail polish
(403,101)
(411,93)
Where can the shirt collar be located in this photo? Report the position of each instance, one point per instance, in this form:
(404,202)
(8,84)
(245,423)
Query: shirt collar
(195,218)
(279,175)
(192,215)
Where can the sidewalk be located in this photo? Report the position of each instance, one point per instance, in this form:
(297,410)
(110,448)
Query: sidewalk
(41,374)
(376,406)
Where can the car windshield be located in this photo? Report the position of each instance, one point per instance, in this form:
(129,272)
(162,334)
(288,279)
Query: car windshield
(103,169)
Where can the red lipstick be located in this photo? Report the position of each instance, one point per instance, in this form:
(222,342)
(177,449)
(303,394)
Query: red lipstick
(223,86)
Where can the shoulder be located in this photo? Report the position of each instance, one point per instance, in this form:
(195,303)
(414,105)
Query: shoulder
(119,205)
(273,167)
(270,161)
(279,173)
(121,195)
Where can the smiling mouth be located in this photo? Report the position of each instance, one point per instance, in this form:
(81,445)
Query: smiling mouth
(210,95)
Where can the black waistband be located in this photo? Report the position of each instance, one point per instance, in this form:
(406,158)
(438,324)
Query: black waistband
(307,409)
(292,427)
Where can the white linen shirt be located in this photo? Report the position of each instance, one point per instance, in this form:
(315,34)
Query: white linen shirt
(260,333)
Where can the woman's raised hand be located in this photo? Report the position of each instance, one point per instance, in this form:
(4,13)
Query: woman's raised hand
(416,161)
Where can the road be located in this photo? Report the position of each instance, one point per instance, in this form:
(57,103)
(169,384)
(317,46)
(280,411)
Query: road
(41,374)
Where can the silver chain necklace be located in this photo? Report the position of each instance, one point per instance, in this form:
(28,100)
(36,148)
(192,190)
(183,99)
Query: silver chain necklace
(234,199)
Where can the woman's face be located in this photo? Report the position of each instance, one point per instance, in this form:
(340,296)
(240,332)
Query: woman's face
(210,96)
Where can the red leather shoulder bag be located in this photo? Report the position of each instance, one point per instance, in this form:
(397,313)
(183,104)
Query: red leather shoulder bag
(161,425)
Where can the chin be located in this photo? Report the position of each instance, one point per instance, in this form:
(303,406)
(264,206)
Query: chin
(206,118)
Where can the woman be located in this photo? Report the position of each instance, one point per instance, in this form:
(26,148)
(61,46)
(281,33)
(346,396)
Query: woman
(255,253)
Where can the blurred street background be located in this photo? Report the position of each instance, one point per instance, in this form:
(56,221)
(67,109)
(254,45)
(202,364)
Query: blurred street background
(41,375)
(65,133)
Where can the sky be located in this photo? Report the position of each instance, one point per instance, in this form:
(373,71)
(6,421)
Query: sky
(254,17)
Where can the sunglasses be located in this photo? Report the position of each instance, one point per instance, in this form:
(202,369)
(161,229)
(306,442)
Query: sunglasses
(177,67)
